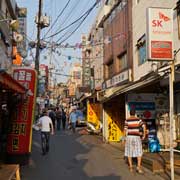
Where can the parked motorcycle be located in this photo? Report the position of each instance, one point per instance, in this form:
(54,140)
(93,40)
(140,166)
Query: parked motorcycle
(91,128)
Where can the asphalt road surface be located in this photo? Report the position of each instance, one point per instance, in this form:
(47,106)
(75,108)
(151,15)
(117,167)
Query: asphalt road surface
(78,157)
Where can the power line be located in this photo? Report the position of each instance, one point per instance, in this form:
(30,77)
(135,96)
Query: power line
(57,18)
(66,75)
(78,25)
(69,15)
(87,12)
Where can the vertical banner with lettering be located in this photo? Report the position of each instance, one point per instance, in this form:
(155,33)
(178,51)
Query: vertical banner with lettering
(20,134)
(114,132)
(93,114)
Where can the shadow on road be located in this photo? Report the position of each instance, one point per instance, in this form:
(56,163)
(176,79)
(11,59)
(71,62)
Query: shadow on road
(71,156)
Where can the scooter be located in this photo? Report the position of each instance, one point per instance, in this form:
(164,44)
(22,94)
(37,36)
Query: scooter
(91,128)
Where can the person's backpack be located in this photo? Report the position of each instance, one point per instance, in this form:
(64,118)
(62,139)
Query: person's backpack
(52,115)
(63,115)
(58,114)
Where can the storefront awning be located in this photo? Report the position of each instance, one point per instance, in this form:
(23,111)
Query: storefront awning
(85,96)
(8,83)
(110,93)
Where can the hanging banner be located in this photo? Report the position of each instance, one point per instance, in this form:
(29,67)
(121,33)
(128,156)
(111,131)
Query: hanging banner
(159,34)
(93,114)
(114,133)
(20,133)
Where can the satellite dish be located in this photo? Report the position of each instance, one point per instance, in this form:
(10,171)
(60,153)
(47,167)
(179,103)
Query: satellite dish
(18,38)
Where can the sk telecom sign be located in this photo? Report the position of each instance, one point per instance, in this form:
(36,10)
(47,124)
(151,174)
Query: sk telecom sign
(159,34)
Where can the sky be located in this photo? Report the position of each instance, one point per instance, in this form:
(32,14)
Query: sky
(53,8)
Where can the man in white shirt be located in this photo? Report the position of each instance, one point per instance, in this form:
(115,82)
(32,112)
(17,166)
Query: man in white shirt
(46,125)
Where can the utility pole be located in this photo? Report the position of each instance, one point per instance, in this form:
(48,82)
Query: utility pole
(38,41)
(171,116)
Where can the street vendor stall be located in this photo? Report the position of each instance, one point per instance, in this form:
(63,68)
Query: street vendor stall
(10,93)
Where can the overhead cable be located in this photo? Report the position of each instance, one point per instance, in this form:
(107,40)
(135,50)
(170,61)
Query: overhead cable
(85,14)
(57,18)
(69,15)
(77,26)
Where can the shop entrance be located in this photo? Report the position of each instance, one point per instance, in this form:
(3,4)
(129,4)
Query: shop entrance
(115,117)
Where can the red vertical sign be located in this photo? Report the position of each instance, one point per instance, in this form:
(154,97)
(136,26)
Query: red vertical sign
(20,134)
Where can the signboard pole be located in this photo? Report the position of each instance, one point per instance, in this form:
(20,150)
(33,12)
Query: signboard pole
(160,48)
(171,117)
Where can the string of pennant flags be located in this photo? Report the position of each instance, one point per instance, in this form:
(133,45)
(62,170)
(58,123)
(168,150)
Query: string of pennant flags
(107,40)
(54,47)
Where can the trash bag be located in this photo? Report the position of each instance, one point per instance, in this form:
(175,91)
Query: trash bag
(154,145)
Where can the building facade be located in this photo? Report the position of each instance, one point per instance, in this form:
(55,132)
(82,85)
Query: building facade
(22,18)
(117,61)
(8,11)
(130,80)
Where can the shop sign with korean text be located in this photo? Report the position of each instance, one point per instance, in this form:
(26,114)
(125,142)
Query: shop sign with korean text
(93,114)
(159,34)
(20,133)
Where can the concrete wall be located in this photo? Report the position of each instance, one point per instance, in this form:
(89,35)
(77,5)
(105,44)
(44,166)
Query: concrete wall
(5,51)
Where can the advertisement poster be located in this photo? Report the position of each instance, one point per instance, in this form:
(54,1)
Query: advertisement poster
(159,34)
(144,110)
(114,133)
(145,106)
(93,114)
(20,134)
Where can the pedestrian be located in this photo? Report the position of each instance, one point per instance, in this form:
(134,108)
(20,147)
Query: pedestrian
(52,115)
(63,119)
(5,119)
(133,144)
(46,126)
(58,118)
(73,119)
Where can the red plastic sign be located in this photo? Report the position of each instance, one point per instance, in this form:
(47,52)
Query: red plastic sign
(20,135)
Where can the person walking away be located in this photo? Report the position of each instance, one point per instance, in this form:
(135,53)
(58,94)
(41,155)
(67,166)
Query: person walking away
(5,119)
(73,119)
(58,118)
(46,125)
(64,119)
(133,145)
(52,115)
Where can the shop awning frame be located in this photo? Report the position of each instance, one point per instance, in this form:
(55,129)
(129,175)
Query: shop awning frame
(85,96)
(9,83)
(115,91)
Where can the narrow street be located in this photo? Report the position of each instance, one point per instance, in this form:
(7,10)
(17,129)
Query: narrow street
(81,157)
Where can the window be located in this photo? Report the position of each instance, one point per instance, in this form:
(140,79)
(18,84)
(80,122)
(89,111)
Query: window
(110,70)
(122,62)
(141,46)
